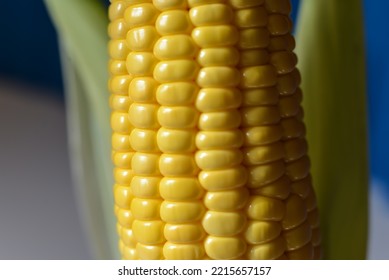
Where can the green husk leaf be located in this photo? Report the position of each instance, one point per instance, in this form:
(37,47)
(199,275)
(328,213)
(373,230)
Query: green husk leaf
(330,47)
(81,26)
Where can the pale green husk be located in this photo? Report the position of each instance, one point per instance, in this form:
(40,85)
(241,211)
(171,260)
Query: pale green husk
(330,47)
(82,29)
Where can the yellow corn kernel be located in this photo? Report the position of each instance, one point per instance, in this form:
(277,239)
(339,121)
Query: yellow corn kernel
(208,137)
(188,251)
(178,93)
(218,99)
(259,232)
(215,247)
(177,46)
(228,200)
(180,188)
(184,233)
(170,4)
(215,36)
(278,189)
(267,251)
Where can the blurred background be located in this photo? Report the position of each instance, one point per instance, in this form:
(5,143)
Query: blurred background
(38,213)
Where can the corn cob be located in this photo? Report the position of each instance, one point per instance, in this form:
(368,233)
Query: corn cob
(208,138)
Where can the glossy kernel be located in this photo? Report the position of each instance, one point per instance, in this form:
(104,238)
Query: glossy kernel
(175,47)
(298,237)
(278,189)
(284,61)
(144,140)
(148,232)
(252,17)
(215,36)
(218,159)
(123,196)
(278,6)
(253,38)
(241,4)
(178,93)
(225,179)
(266,209)
(227,200)
(179,117)
(260,96)
(302,187)
(218,76)
(117,29)
(174,251)
(142,38)
(259,232)
(264,174)
(140,15)
(145,187)
(215,247)
(218,99)
(289,106)
(184,233)
(118,49)
(117,67)
(119,103)
(282,43)
(267,251)
(303,253)
(223,56)
(260,116)
(181,212)
(120,122)
(212,14)
(116,9)
(296,212)
(141,63)
(143,115)
(261,135)
(123,176)
(258,76)
(119,84)
(180,188)
(149,252)
(254,57)
(218,223)
(170,4)
(278,24)
(176,140)
(295,149)
(121,142)
(175,71)
(177,165)
(122,160)
(287,84)
(195,3)
(125,217)
(264,154)
(142,90)
(229,139)
(223,120)
(173,22)
(145,164)
(298,169)
(145,209)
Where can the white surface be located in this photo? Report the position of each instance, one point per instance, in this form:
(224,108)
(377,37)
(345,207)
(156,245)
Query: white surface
(38,217)
(379,223)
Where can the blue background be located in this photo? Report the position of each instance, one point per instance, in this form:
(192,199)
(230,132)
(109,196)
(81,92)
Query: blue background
(29,52)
